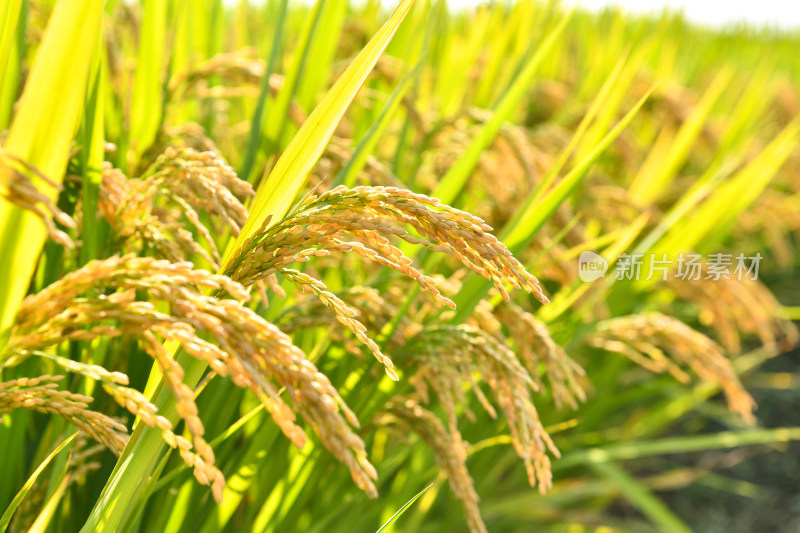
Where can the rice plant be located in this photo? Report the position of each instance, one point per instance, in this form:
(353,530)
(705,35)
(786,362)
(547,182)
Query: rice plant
(273,267)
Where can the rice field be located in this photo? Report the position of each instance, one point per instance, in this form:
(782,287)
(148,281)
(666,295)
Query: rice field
(338,267)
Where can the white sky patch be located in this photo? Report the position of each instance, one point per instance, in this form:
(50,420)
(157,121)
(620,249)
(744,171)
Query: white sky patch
(779,13)
(784,14)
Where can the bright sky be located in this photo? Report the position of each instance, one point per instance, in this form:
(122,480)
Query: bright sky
(781,13)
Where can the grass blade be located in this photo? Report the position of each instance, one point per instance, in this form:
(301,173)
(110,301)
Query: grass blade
(291,171)
(10,21)
(146,107)
(257,123)
(91,161)
(347,175)
(42,132)
(6,518)
(403,509)
(722,440)
(641,497)
(665,164)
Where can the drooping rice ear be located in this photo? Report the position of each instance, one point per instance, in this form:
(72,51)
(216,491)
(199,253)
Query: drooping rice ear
(662,343)
(733,309)
(104,299)
(42,394)
(17,188)
(161,211)
(441,359)
(371,214)
(535,347)
(448,449)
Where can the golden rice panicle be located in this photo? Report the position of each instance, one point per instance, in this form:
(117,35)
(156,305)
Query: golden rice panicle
(160,211)
(252,352)
(344,314)
(115,384)
(375,311)
(41,394)
(267,354)
(444,358)
(237,68)
(370,215)
(449,451)
(509,168)
(72,307)
(733,308)
(138,405)
(236,74)
(450,137)
(91,371)
(662,343)
(205,172)
(179,136)
(129,206)
(536,347)
(359,220)
(203,460)
(17,187)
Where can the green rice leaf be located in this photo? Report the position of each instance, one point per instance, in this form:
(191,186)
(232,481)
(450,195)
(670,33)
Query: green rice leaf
(388,524)
(256,125)
(639,495)
(291,171)
(42,132)
(9,513)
